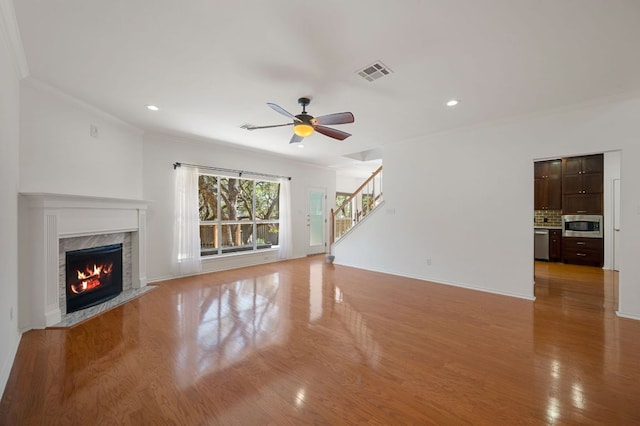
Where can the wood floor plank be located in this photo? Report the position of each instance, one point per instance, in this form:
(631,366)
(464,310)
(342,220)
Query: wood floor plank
(305,342)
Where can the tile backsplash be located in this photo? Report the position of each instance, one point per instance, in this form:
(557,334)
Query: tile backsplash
(553,218)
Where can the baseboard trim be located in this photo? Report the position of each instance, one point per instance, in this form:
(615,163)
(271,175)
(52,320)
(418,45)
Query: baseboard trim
(628,316)
(227,267)
(159,279)
(450,283)
(6,368)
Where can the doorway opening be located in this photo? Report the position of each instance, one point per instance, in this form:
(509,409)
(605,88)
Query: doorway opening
(558,199)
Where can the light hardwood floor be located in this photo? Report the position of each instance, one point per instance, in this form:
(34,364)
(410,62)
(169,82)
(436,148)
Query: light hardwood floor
(305,342)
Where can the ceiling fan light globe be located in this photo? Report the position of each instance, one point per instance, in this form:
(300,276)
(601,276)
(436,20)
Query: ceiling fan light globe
(303,130)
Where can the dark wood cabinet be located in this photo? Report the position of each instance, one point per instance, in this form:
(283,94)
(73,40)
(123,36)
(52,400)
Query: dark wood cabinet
(582,204)
(582,184)
(574,185)
(555,245)
(582,251)
(584,164)
(548,185)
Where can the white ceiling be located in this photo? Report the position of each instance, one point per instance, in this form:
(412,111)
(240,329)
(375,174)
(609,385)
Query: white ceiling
(211,66)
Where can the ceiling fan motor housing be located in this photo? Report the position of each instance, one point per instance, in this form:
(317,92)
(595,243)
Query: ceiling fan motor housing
(304,102)
(305,118)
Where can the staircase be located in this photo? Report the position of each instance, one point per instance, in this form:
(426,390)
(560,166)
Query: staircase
(357,206)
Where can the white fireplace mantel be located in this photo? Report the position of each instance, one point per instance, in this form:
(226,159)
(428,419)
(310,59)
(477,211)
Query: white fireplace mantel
(44,220)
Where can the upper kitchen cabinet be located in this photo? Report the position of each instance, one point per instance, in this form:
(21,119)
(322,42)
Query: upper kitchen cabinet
(582,184)
(548,185)
(584,164)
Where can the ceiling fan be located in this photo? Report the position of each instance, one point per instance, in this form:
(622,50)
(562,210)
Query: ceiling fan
(304,124)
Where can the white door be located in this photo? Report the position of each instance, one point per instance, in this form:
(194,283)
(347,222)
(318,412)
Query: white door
(316,226)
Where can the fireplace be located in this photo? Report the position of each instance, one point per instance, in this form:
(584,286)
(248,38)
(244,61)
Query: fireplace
(51,225)
(93,276)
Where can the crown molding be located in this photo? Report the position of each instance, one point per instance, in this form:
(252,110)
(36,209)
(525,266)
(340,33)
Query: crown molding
(11,33)
(44,87)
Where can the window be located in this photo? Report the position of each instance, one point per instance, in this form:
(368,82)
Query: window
(367,203)
(344,212)
(237,214)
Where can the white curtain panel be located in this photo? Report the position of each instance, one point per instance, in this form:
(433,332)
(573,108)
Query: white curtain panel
(285,239)
(186,241)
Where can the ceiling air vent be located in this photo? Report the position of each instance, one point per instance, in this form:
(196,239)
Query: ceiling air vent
(374,71)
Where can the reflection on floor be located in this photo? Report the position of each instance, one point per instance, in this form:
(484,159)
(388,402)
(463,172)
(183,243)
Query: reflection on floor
(307,342)
(574,320)
(585,287)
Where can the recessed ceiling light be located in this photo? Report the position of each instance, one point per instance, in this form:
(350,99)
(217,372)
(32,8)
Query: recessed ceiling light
(453,102)
(152,107)
(300,145)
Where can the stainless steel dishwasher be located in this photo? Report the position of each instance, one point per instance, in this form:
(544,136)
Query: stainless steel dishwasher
(541,244)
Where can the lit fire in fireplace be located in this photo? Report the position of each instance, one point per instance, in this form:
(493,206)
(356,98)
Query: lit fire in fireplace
(90,278)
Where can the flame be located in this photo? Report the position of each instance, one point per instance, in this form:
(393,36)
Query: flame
(90,278)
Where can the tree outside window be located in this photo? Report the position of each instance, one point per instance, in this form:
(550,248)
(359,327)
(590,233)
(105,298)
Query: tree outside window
(345,211)
(367,203)
(237,214)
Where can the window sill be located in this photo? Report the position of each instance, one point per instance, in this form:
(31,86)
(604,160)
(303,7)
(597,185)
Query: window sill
(239,252)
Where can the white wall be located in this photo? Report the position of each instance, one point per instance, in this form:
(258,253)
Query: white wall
(161,151)
(57,154)
(348,184)
(9,145)
(464,200)
(444,203)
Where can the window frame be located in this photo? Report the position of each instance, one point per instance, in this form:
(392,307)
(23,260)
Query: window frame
(219,249)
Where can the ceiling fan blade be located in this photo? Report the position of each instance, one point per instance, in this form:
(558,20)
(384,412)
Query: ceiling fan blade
(251,127)
(280,110)
(332,133)
(295,139)
(337,118)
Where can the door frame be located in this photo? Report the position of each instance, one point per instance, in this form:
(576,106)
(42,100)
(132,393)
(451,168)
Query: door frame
(615,261)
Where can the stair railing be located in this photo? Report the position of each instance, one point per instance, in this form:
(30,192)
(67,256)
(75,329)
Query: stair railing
(359,204)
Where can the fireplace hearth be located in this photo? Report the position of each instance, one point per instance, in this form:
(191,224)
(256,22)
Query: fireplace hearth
(93,276)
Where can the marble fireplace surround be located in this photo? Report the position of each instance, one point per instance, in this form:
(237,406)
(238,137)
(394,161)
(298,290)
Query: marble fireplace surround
(91,241)
(45,220)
